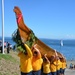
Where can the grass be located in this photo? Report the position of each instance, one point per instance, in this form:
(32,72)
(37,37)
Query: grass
(7,57)
(9,64)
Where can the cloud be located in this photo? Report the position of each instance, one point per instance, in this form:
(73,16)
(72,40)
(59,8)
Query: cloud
(70,36)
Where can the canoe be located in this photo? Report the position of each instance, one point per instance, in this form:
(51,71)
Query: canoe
(25,35)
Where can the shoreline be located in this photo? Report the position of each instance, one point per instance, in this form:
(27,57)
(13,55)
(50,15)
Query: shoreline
(69,71)
(69,62)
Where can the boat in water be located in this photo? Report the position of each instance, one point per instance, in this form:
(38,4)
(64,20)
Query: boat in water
(61,43)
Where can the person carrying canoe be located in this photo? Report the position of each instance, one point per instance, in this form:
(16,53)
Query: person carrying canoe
(36,61)
(26,61)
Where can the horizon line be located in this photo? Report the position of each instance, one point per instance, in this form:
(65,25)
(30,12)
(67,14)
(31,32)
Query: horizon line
(45,38)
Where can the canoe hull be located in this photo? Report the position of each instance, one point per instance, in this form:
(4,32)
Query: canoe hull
(25,35)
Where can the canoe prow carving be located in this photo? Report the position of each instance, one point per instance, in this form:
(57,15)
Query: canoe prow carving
(25,35)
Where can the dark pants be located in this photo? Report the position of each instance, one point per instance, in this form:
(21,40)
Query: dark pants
(62,71)
(47,74)
(8,50)
(37,72)
(1,49)
(53,73)
(58,72)
(30,73)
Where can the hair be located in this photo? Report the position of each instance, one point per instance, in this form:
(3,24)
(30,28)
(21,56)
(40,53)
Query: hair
(25,53)
(44,59)
(35,52)
(52,58)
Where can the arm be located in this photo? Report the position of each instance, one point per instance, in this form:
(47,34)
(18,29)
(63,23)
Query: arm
(35,49)
(28,50)
(45,56)
(38,53)
(56,53)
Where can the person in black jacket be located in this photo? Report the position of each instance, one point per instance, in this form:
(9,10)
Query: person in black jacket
(8,47)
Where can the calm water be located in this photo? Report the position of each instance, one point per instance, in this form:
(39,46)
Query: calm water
(68,48)
(8,39)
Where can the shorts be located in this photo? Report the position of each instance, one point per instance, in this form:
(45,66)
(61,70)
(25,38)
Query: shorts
(54,73)
(47,73)
(62,71)
(58,72)
(37,72)
(30,73)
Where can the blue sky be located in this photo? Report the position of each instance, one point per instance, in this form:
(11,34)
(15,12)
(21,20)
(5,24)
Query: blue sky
(54,19)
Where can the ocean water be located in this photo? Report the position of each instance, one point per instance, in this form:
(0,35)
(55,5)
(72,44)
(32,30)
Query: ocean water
(9,39)
(68,48)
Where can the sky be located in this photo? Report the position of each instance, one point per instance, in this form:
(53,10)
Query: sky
(53,19)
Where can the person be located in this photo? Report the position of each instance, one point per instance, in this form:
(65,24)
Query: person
(54,63)
(61,71)
(58,66)
(64,65)
(63,61)
(5,44)
(74,66)
(36,61)
(71,66)
(8,47)
(14,47)
(26,61)
(57,63)
(1,46)
(11,46)
(46,66)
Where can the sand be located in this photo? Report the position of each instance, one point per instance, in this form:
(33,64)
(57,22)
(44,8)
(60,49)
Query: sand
(70,71)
